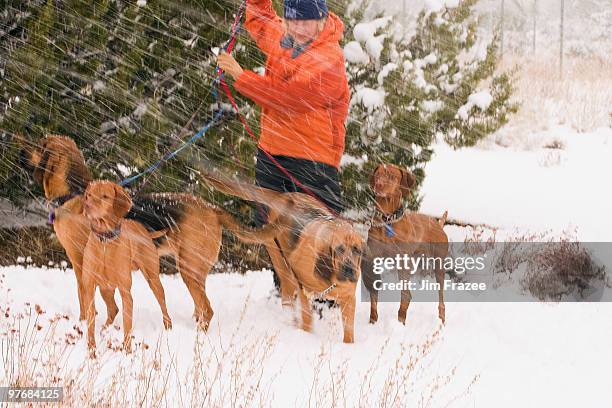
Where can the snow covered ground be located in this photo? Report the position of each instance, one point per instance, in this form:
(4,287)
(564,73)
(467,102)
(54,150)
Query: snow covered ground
(534,188)
(487,354)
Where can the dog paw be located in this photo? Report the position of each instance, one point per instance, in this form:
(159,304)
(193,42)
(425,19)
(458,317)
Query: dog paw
(91,350)
(203,325)
(401,317)
(442,313)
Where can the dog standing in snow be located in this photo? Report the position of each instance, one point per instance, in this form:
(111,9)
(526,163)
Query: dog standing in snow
(115,247)
(314,253)
(396,230)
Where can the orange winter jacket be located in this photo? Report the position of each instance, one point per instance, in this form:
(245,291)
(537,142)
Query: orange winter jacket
(304,99)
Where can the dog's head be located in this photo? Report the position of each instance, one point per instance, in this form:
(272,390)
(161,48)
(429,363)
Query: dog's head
(56,163)
(389,180)
(106,202)
(342,262)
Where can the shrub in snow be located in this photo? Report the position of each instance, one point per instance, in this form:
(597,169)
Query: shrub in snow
(562,268)
(430,78)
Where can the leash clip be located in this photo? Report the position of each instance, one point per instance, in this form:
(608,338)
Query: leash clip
(326,291)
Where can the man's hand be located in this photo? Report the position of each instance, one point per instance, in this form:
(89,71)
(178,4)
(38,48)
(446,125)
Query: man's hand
(228,64)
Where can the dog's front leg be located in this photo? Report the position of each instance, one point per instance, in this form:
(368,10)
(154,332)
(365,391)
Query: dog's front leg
(128,304)
(88,293)
(347,305)
(306,311)
(373,306)
(405,299)
(108,295)
(441,307)
(368,279)
(76,259)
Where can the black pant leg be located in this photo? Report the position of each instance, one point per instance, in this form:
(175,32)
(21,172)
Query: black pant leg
(267,175)
(322,180)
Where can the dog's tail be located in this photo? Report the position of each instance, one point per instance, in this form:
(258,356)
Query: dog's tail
(442,220)
(246,191)
(246,234)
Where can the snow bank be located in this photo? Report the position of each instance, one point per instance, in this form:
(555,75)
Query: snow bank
(365,33)
(435,6)
(539,349)
(541,189)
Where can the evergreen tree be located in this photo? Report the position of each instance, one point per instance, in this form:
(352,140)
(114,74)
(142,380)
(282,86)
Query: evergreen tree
(123,78)
(409,89)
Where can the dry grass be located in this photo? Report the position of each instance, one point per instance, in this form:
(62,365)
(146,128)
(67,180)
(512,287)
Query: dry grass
(478,240)
(38,350)
(581,98)
(406,382)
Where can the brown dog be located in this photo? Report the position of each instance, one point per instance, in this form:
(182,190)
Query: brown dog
(397,231)
(115,248)
(194,226)
(312,252)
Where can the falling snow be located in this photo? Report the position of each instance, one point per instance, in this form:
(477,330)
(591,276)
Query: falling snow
(535,174)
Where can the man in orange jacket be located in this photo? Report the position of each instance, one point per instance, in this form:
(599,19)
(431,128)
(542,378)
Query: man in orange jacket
(304,97)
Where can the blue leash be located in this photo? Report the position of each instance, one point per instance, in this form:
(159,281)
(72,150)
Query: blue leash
(214,121)
(172,154)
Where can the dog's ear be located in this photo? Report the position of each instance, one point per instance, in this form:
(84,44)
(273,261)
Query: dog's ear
(123,201)
(324,265)
(40,167)
(373,177)
(48,165)
(407,181)
(26,151)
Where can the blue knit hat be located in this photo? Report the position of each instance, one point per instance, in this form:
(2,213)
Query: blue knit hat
(305,9)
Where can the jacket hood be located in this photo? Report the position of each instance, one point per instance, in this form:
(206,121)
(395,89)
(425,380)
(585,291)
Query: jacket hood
(332,32)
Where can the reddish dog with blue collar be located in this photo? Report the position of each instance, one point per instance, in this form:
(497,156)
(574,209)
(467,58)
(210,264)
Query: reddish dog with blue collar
(396,230)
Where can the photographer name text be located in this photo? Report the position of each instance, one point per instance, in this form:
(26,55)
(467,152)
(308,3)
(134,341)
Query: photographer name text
(427,285)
